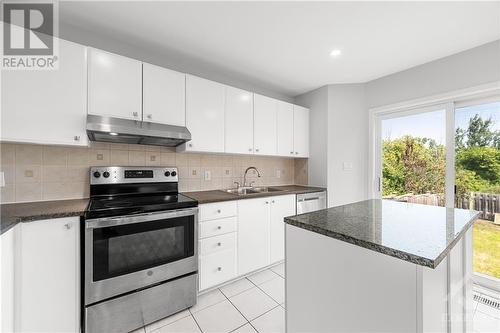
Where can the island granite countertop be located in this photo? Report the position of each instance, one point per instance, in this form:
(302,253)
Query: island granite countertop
(416,233)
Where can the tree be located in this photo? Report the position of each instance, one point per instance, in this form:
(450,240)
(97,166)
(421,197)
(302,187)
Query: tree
(483,161)
(479,133)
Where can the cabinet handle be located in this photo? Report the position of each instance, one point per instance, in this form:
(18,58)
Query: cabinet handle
(76,138)
(135,114)
(190,145)
(219,269)
(149,116)
(219,228)
(218,211)
(296,153)
(272,201)
(256,150)
(249,149)
(267,202)
(291,152)
(219,244)
(68,226)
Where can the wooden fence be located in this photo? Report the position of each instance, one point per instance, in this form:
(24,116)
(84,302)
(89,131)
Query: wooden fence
(487,203)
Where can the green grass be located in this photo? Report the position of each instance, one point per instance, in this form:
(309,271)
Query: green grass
(487,248)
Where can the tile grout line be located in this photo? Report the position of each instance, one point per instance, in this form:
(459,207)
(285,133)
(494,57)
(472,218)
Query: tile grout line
(248,321)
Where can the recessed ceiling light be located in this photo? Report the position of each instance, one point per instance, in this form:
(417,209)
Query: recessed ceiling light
(113,133)
(335,52)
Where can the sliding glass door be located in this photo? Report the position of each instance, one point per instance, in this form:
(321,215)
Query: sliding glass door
(477,178)
(446,155)
(413,156)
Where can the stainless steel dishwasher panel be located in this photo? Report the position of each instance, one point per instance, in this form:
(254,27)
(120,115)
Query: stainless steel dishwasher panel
(310,202)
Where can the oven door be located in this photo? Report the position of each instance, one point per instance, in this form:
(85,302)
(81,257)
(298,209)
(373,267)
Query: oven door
(126,253)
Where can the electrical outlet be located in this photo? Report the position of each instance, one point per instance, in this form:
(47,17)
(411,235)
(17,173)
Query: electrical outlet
(278,173)
(2,179)
(208,175)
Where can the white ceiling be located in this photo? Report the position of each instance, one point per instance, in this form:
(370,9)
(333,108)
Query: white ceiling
(287,45)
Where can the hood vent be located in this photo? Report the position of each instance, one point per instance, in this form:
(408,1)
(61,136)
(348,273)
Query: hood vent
(108,129)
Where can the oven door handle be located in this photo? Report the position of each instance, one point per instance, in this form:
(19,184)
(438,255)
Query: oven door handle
(139,218)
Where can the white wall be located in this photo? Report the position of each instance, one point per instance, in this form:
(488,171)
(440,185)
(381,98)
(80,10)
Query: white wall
(167,58)
(466,69)
(317,102)
(347,143)
(339,133)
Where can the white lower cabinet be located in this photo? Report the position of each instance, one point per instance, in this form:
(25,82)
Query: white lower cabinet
(253,234)
(7,280)
(281,206)
(217,268)
(47,270)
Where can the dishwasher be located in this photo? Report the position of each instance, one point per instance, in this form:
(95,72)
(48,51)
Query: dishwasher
(310,202)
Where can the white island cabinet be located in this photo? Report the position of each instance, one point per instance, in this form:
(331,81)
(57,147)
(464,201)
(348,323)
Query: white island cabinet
(47,270)
(379,266)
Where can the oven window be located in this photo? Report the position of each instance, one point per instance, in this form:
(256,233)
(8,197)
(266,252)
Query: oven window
(129,248)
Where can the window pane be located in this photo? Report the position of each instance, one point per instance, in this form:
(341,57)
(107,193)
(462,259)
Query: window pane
(414,158)
(477,179)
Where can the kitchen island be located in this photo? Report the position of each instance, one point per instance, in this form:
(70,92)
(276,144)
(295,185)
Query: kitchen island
(379,266)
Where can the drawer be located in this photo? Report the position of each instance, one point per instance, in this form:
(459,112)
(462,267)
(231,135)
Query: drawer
(217,227)
(218,243)
(218,210)
(217,268)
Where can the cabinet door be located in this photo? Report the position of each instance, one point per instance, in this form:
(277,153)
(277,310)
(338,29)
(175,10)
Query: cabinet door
(205,114)
(48,107)
(265,125)
(301,131)
(253,234)
(48,278)
(281,206)
(239,121)
(7,279)
(115,85)
(284,122)
(163,96)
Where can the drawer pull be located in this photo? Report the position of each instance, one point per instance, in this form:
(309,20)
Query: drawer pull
(219,269)
(219,227)
(218,211)
(219,244)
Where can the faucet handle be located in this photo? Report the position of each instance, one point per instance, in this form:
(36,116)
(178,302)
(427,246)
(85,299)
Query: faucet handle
(252,182)
(237,184)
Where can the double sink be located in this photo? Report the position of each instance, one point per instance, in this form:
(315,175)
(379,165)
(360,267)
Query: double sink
(252,190)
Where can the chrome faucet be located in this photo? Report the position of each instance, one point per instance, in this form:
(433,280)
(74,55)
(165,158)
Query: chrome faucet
(245,176)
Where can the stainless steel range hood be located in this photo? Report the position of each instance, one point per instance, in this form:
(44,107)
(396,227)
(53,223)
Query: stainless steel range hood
(108,129)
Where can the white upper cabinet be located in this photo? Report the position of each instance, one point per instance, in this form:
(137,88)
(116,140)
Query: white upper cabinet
(265,110)
(115,85)
(163,95)
(238,121)
(301,131)
(284,121)
(47,107)
(205,114)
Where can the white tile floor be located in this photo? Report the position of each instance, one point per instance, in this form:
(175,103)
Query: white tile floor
(256,304)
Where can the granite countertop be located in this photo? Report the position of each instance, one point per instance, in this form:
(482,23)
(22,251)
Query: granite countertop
(420,234)
(218,195)
(14,213)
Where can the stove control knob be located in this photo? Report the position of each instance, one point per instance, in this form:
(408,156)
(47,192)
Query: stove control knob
(105,174)
(97,174)
(167,173)
(174,173)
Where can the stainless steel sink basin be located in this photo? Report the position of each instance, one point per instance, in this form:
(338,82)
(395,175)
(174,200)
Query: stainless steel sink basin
(251,190)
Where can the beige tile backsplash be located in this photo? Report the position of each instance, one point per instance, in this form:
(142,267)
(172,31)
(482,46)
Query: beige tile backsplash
(36,172)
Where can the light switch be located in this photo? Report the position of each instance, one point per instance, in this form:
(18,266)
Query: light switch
(2,179)
(208,175)
(347,166)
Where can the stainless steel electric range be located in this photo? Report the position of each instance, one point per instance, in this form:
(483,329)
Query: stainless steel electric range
(140,248)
